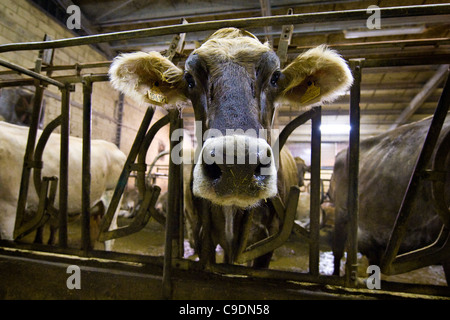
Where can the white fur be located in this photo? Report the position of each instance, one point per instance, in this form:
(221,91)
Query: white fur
(203,188)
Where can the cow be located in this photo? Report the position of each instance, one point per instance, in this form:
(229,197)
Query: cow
(107,162)
(385,166)
(233,81)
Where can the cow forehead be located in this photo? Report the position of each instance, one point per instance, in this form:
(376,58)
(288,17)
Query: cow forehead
(242,50)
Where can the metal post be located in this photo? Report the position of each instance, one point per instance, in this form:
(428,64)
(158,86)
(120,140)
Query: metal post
(28,158)
(315,194)
(86,166)
(64,166)
(175,190)
(353,165)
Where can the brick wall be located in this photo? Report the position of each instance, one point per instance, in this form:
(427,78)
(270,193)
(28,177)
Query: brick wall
(21,21)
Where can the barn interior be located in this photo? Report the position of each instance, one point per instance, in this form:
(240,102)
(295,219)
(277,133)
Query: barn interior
(406,62)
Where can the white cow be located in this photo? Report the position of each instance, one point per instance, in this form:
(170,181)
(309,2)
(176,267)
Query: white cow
(107,162)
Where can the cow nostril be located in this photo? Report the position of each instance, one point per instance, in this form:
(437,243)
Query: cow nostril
(212,171)
(259,173)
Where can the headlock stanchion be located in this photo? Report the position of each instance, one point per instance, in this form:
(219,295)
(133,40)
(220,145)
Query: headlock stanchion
(148,194)
(388,262)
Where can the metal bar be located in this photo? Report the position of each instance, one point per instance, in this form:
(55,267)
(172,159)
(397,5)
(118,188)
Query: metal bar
(64,166)
(175,190)
(353,165)
(144,150)
(360,14)
(105,234)
(431,139)
(30,73)
(86,166)
(271,243)
(39,150)
(28,158)
(291,126)
(315,194)
(422,96)
(120,104)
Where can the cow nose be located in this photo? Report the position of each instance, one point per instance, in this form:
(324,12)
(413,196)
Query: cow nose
(235,170)
(235,165)
(253,167)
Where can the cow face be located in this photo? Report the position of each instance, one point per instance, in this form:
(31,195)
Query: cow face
(233,81)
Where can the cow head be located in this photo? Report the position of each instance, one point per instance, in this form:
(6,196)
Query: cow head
(233,81)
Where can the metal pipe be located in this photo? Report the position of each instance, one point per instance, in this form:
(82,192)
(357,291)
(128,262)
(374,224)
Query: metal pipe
(360,14)
(399,230)
(28,159)
(86,166)
(315,194)
(353,165)
(294,124)
(174,189)
(30,73)
(105,234)
(64,166)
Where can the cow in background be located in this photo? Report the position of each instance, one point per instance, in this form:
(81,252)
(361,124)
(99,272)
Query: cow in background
(386,164)
(233,81)
(107,162)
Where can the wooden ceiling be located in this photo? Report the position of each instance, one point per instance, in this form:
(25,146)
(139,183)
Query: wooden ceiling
(387,92)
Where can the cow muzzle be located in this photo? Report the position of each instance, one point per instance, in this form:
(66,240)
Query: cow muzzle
(235,170)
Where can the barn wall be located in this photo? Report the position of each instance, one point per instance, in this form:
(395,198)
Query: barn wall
(21,21)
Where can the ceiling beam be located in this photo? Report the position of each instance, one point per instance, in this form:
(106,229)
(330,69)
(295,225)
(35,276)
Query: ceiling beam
(90,29)
(420,98)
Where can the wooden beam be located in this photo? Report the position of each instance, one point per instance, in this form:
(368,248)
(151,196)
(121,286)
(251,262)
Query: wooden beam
(420,98)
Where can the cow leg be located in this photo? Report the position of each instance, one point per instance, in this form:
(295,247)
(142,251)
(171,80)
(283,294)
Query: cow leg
(39,237)
(263,261)
(52,236)
(340,238)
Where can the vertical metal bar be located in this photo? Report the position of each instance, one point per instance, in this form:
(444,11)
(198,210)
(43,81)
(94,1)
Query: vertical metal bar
(28,158)
(86,166)
(353,165)
(119,118)
(123,179)
(173,209)
(64,166)
(399,230)
(315,193)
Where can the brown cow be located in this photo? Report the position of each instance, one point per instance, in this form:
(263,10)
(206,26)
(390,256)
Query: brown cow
(233,81)
(386,164)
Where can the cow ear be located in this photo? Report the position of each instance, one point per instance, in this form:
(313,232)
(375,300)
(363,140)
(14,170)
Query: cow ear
(316,76)
(147,77)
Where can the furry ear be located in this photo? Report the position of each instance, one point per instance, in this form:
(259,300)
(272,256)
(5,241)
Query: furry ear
(148,77)
(314,77)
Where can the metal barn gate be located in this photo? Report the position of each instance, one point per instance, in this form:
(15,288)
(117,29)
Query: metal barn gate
(137,276)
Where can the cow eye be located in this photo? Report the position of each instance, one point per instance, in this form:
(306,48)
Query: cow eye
(275,77)
(189,79)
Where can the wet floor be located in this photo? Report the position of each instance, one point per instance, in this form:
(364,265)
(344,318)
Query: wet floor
(292,256)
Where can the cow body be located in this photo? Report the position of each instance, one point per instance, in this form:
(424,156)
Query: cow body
(386,164)
(233,81)
(106,165)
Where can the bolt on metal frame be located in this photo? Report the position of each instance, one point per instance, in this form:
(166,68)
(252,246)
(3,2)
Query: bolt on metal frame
(173,253)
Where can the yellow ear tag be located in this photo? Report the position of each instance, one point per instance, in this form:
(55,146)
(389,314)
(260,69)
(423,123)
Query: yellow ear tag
(311,93)
(154,94)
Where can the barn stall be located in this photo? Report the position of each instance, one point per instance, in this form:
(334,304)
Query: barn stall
(403,68)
